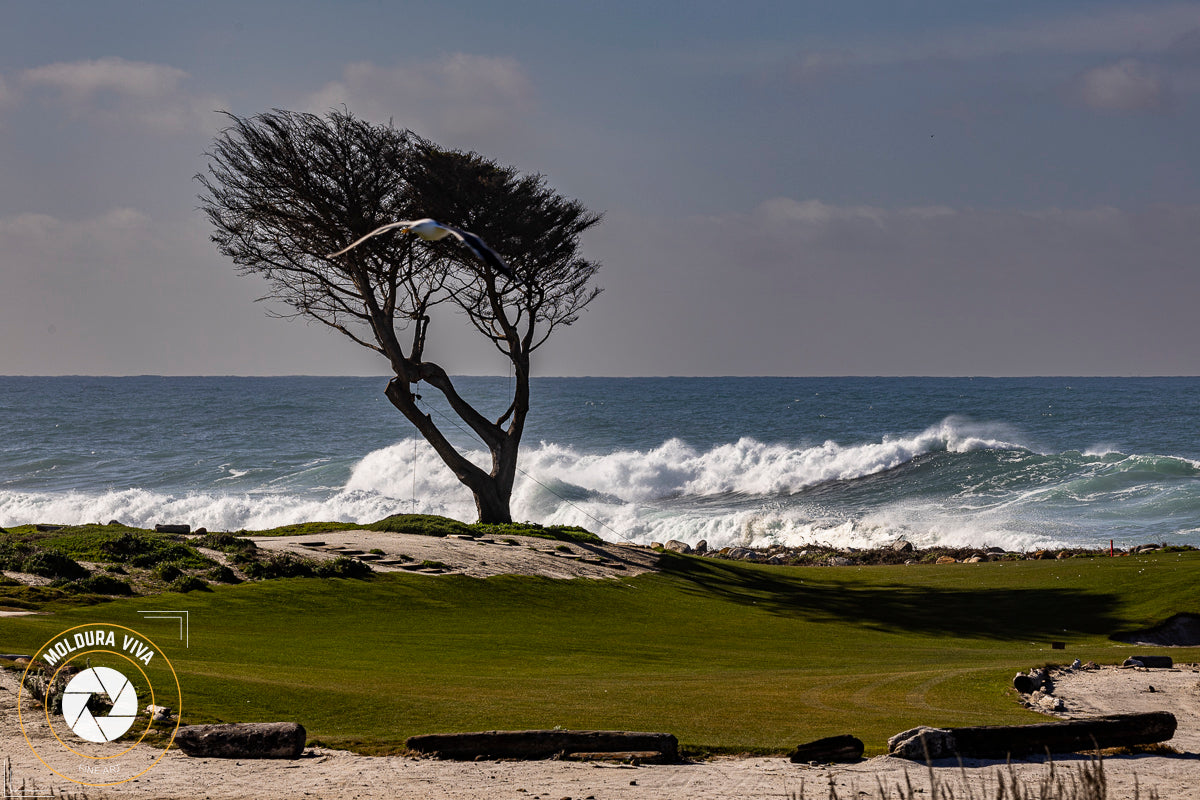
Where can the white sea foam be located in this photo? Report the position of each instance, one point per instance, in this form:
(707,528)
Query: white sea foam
(743,493)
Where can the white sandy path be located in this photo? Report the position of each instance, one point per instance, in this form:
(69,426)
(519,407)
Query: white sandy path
(334,774)
(480,558)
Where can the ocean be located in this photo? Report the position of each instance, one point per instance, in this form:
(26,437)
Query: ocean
(1019,463)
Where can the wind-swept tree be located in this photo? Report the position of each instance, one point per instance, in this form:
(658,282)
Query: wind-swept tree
(285,189)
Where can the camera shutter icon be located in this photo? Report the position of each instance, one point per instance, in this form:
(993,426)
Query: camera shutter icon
(108,683)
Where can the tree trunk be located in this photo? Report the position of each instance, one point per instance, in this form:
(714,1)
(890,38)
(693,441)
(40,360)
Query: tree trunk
(492,491)
(490,502)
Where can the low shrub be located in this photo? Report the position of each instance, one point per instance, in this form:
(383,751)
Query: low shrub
(279,565)
(101,584)
(343,567)
(188,583)
(223,574)
(168,571)
(54,565)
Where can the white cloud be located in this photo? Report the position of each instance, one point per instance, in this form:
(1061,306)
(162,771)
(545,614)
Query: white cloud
(1127,85)
(114,90)
(81,79)
(1112,32)
(461,98)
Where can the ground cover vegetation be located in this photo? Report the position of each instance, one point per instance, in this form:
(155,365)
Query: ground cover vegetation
(90,563)
(727,655)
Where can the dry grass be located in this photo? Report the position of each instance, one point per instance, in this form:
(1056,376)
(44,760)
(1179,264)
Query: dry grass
(1082,782)
(23,788)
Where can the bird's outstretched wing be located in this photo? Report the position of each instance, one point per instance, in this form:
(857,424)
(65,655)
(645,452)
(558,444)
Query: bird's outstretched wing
(431,230)
(404,223)
(481,250)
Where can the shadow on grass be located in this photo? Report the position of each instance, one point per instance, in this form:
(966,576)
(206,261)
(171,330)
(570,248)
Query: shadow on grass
(979,613)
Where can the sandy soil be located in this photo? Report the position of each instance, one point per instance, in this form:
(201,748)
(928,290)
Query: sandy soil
(333,774)
(481,558)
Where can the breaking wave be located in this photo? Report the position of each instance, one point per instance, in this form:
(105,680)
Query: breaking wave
(955,483)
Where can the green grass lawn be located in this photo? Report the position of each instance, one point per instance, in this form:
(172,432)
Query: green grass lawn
(728,656)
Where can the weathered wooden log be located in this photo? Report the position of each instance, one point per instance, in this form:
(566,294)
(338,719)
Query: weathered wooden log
(832,749)
(538,744)
(173,528)
(1067,736)
(243,740)
(1152,662)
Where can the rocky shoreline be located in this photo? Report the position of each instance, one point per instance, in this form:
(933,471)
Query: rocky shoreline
(899,552)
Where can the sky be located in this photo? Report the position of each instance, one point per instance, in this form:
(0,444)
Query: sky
(796,188)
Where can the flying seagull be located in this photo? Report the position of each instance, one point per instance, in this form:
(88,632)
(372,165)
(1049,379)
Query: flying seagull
(431,231)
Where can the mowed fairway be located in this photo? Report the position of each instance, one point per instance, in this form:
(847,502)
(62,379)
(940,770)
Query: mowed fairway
(727,656)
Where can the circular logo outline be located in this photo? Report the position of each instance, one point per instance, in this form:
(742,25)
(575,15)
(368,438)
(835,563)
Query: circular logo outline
(50,722)
(158,650)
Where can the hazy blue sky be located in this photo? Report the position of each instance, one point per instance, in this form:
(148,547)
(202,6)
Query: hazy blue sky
(790,188)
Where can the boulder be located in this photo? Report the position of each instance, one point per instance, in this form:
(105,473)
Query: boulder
(743,554)
(702,547)
(242,740)
(173,528)
(902,546)
(832,749)
(676,546)
(778,559)
(840,561)
(974,560)
(158,713)
(946,560)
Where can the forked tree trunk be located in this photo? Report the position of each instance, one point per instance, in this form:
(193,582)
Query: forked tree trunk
(492,491)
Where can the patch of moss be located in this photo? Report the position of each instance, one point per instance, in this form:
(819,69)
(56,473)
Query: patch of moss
(225,542)
(420,524)
(302,528)
(562,533)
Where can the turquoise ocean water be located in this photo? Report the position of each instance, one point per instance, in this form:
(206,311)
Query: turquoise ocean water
(1018,463)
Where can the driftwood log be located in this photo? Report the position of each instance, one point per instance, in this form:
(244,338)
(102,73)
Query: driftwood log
(1151,662)
(830,750)
(539,744)
(242,740)
(1067,736)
